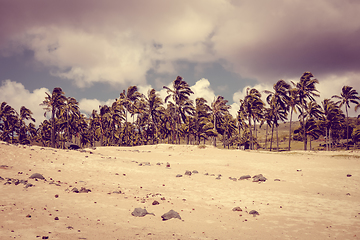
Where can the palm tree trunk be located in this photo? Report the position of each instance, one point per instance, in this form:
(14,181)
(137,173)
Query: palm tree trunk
(277,138)
(347,128)
(267,126)
(52,126)
(272,135)
(251,138)
(291,112)
(304,132)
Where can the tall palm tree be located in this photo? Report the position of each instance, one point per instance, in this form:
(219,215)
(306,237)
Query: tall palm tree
(154,109)
(252,105)
(306,91)
(292,102)
(277,100)
(128,99)
(333,117)
(218,109)
(348,95)
(53,103)
(180,96)
(70,112)
(201,119)
(7,115)
(25,114)
(313,113)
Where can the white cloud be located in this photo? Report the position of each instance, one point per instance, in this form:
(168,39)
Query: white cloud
(16,96)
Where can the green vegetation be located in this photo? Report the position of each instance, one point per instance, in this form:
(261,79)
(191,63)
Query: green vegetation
(135,119)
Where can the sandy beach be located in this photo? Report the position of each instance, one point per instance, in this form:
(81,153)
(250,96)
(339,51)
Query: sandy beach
(307,195)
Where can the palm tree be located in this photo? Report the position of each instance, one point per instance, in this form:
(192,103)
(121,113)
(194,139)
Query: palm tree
(70,112)
(333,116)
(292,102)
(128,99)
(252,105)
(306,90)
(180,96)
(154,109)
(313,112)
(7,114)
(25,114)
(348,95)
(218,111)
(53,103)
(277,101)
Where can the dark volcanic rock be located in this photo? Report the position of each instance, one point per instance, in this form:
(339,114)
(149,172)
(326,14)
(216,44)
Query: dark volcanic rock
(237,209)
(244,177)
(140,212)
(254,213)
(84,190)
(259,178)
(349,175)
(170,214)
(72,146)
(37,176)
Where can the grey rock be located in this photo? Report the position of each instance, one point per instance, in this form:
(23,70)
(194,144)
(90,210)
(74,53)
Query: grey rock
(244,177)
(187,172)
(170,214)
(277,180)
(195,171)
(37,176)
(140,212)
(237,209)
(254,213)
(259,178)
(179,175)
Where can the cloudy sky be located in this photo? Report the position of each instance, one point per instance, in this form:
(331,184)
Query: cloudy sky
(94,49)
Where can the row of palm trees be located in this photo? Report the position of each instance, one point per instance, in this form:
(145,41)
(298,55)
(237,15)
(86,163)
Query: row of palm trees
(137,119)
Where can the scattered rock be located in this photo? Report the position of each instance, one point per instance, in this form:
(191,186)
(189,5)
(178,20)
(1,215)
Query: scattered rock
(218,178)
(206,174)
(299,170)
(144,164)
(140,212)
(349,175)
(118,192)
(71,146)
(56,195)
(178,175)
(29,185)
(277,180)
(75,190)
(84,190)
(167,164)
(4,166)
(348,194)
(28,216)
(155,203)
(187,172)
(238,209)
(37,176)
(254,213)
(233,179)
(1,178)
(259,178)
(159,163)
(56,218)
(170,214)
(244,177)
(194,171)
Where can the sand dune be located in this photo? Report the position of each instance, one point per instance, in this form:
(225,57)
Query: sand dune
(316,198)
